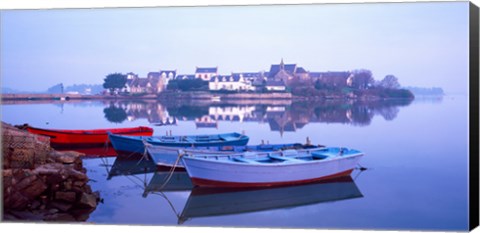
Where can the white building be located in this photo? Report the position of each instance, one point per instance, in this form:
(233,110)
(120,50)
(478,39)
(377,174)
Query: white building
(206,73)
(231,83)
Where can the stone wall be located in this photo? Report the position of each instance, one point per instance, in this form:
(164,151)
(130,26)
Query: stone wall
(41,184)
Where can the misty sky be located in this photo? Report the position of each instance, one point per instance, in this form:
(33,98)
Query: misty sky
(423,44)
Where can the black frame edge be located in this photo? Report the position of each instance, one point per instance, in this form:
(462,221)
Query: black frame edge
(474,117)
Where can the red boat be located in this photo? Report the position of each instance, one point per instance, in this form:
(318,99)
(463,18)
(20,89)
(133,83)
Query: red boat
(85,138)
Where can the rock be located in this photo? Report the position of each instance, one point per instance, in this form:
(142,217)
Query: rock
(82,214)
(77,175)
(25,182)
(53,210)
(15,200)
(60,217)
(79,183)
(66,157)
(7,173)
(43,183)
(62,206)
(48,169)
(26,215)
(62,157)
(66,196)
(87,201)
(35,189)
(35,205)
(9,217)
(67,185)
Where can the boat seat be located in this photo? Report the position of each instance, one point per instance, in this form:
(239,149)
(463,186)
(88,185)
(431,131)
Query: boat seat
(244,160)
(190,139)
(320,155)
(153,140)
(228,138)
(289,152)
(283,158)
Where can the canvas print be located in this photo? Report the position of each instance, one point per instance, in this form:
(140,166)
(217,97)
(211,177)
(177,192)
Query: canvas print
(310,116)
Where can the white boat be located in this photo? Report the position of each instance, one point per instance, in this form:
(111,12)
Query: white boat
(259,169)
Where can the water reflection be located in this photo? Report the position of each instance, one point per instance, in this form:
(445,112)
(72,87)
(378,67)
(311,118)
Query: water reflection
(204,202)
(280,117)
(210,202)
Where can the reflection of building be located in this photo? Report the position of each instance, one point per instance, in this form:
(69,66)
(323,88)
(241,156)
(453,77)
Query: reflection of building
(231,113)
(206,122)
(154,112)
(281,118)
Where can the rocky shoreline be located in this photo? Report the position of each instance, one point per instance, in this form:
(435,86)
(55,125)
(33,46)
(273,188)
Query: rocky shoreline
(41,184)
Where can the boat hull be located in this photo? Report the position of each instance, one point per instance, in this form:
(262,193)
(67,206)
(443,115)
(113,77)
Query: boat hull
(86,138)
(208,173)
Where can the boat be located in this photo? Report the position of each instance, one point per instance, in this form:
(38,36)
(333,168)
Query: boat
(135,145)
(66,138)
(260,169)
(167,156)
(209,202)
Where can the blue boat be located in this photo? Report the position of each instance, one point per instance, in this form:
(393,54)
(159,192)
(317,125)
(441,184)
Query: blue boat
(134,145)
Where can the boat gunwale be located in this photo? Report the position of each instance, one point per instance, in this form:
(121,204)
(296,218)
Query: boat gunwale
(122,131)
(177,139)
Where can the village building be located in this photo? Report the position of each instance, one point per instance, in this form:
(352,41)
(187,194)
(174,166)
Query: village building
(275,85)
(278,78)
(234,82)
(185,77)
(206,73)
(168,75)
(282,72)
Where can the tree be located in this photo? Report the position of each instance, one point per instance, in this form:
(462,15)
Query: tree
(115,114)
(57,89)
(114,82)
(187,84)
(390,81)
(362,79)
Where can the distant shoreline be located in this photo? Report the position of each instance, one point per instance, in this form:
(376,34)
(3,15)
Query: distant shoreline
(178,95)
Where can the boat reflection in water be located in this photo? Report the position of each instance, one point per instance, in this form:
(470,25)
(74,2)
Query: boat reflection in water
(208,202)
(165,181)
(124,166)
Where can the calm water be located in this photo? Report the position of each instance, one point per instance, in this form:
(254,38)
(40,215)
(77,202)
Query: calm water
(416,155)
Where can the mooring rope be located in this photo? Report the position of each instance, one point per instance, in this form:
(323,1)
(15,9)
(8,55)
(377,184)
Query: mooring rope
(172,169)
(160,193)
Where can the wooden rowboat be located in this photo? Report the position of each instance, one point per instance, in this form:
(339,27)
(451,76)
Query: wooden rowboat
(167,156)
(135,145)
(61,138)
(260,169)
